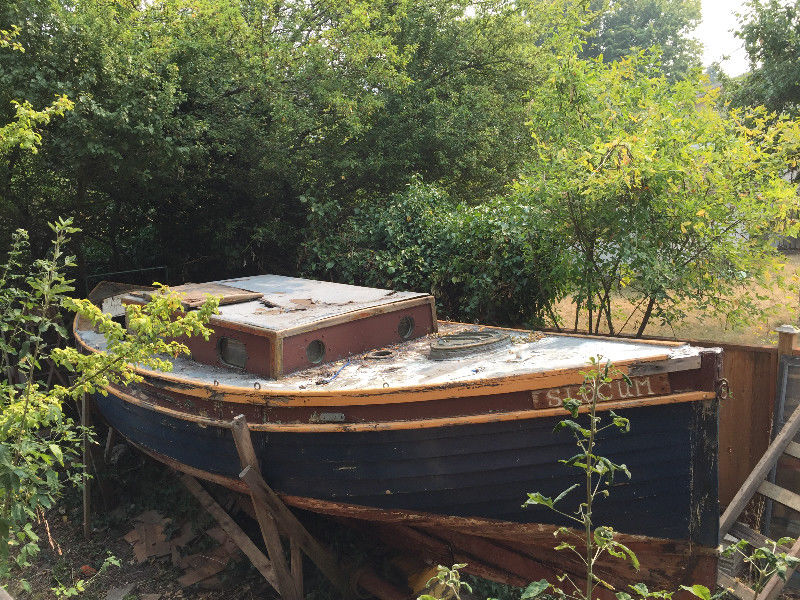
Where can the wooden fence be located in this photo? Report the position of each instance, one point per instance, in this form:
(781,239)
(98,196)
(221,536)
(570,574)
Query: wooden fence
(745,418)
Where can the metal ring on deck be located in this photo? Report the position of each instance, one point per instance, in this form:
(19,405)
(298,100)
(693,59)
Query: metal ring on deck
(723,388)
(456,345)
(216,382)
(386,384)
(256,385)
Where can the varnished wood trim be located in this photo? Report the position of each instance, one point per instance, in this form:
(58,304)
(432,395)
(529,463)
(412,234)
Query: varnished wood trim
(355,315)
(419,423)
(434,320)
(277,357)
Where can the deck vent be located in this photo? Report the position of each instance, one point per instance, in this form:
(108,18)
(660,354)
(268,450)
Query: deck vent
(466,342)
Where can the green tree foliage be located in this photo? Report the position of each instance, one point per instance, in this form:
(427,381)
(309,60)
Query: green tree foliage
(22,133)
(657,196)
(623,27)
(771,34)
(490,262)
(201,125)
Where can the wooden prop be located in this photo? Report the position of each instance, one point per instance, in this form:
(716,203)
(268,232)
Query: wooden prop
(87,498)
(287,585)
(757,483)
(230,527)
(276,519)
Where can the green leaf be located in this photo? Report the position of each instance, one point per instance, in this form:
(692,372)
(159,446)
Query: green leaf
(698,590)
(534,589)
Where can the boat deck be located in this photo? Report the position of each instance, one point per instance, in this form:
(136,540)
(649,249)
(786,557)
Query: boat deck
(408,363)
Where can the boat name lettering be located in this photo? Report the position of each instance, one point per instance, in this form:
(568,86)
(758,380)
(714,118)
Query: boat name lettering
(619,389)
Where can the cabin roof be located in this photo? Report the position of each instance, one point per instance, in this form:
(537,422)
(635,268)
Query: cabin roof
(290,302)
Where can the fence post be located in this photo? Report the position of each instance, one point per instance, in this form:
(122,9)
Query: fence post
(787,336)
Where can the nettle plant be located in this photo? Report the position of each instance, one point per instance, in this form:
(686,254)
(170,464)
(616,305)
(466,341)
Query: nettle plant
(765,561)
(39,441)
(587,541)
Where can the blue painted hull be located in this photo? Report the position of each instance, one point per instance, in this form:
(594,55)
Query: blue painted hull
(477,470)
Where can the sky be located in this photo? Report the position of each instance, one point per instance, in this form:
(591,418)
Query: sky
(715,31)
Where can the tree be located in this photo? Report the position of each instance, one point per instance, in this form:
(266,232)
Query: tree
(205,132)
(658,198)
(771,34)
(625,26)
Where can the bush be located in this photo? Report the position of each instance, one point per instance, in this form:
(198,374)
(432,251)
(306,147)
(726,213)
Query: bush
(492,262)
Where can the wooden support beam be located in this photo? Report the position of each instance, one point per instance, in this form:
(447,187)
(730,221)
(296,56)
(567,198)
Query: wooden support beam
(779,494)
(793,450)
(287,586)
(87,497)
(787,337)
(109,444)
(759,473)
(230,527)
(296,563)
(737,588)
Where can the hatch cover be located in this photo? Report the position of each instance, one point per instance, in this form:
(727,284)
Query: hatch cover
(466,342)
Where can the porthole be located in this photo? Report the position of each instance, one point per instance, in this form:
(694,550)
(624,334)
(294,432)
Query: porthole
(405,329)
(315,352)
(232,352)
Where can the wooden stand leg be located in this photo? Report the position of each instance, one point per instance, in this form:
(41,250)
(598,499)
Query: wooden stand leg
(85,421)
(296,557)
(109,444)
(287,585)
(267,504)
(232,529)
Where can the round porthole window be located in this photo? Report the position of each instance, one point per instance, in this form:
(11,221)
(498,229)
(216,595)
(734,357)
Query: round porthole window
(405,328)
(315,352)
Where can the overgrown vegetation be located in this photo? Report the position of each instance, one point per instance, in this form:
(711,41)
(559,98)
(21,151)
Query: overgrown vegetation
(408,144)
(39,440)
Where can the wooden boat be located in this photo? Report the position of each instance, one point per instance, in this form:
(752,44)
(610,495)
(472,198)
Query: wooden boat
(363,406)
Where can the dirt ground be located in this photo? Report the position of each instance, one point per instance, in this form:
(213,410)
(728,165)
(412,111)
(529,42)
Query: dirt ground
(782,306)
(135,484)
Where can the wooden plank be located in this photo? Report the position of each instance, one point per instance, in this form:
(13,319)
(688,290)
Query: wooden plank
(230,527)
(779,494)
(266,518)
(664,366)
(744,532)
(756,477)
(746,418)
(775,585)
(736,587)
(793,450)
(260,491)
(296,564)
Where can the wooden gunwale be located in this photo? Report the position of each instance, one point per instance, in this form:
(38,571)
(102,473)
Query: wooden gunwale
(421,423)
(368,396)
